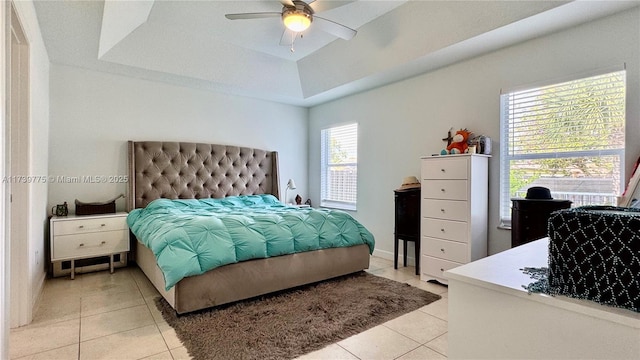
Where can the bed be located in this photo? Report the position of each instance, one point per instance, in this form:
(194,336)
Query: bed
(180,170)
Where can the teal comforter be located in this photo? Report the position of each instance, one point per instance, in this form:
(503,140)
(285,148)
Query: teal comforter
(190,237)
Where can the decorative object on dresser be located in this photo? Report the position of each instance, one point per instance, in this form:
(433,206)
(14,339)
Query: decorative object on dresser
(82,237)
(529,216)
(454,212)
(98,207)
(407,220)
(290,185)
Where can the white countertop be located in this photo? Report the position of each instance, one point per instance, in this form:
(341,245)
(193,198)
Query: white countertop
(502,272)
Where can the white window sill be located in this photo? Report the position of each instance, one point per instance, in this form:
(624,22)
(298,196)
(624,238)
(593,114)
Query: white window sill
(338,205)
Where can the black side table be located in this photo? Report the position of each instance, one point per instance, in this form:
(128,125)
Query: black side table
(529,218)
(407,225)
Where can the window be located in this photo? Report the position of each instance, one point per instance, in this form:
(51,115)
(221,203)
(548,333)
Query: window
(339,169)
(568,137)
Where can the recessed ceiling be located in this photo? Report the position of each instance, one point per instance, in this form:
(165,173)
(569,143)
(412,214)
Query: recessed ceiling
(191,43)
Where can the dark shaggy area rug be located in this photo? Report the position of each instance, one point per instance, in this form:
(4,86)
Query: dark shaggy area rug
(294,322)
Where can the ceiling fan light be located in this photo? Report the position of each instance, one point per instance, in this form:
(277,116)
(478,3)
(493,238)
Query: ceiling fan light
(297,22)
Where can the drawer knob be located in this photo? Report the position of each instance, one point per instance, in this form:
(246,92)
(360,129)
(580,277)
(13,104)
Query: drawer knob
(442,210)
(103,242)
(442,170)
(81,227)
(442,190)
(81,244)
(442,250)
(103,224)
(441,269)
(442,230)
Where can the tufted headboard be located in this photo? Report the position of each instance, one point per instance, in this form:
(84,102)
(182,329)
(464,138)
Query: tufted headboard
(180,170)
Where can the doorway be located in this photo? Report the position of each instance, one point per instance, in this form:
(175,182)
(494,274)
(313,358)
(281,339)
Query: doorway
(17,173)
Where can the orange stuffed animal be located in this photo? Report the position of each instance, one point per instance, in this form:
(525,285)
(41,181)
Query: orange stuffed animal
(459,143)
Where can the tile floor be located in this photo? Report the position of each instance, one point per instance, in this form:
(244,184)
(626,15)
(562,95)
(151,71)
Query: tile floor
(113,316)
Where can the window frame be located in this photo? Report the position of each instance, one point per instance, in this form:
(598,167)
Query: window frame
(325,165)
(505,158)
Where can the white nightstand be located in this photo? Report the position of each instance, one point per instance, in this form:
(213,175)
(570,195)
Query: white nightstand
(80,237)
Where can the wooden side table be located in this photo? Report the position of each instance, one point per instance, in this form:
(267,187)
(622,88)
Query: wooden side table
(529,218)
(407,223)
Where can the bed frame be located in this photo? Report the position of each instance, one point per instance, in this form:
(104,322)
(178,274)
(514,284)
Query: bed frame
(180,170)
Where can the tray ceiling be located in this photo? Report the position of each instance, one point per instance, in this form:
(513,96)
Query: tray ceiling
(191,43)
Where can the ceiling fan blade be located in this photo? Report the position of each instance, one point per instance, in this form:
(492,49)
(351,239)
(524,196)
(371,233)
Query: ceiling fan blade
(324,5)
(288,37)
(333,28)
(252,15)
(287,3)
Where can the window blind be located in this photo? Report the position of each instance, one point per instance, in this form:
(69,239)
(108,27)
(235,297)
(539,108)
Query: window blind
(564,135)
(339,160)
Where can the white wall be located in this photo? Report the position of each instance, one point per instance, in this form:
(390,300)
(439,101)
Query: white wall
(93,115)
(403,121)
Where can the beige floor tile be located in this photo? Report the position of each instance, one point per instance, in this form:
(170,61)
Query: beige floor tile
(331,352)
(146,287)
(166,355)
(132,344)
(104,282)
(35,339)
(99,302)
(379,342)
(391,273)
(439,309)
(422,353)
(157,315)
(180,353)
(69,352)
(440,344)
(62,286)
(52,308)
(430,287)
(112,322)
(418,326)
(170,336)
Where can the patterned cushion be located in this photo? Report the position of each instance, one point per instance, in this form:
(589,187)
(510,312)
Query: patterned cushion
(594,254)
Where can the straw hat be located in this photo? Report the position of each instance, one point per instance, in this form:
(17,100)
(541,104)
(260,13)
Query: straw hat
(410,182)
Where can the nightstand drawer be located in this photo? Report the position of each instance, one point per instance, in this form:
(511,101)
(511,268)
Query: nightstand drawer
(444,189)
(445,209)
(88,225)
(446,250)
(445,229)
(450,168)
(88,245)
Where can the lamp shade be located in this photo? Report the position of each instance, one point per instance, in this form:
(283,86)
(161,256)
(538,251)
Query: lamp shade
(296,21)
(291,184)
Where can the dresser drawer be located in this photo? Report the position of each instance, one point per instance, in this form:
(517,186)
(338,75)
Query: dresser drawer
(444,189)
(88,245)
(449,168)
(436,267)
(445,209)
(88,225)
(445,229)
(446,250)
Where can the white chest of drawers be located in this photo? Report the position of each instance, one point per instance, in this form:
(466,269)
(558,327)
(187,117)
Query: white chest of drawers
(80,237)
(454,212)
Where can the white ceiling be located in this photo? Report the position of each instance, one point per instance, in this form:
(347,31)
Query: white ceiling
(191,43)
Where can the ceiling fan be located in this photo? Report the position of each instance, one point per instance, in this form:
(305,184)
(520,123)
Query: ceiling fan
(298,15)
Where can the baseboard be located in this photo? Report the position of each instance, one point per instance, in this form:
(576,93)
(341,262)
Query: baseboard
(388,255)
